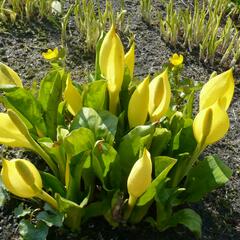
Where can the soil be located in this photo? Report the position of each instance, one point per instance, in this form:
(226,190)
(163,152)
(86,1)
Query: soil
(21,46)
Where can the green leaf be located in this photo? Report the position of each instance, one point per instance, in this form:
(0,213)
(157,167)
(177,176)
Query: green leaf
(207,175)
(160,141)
(95,95)
(188,108)
(25,103)
(50,217)
(72,211)
(188,218)
(29,231)
(51,183)
(20,211)
(102,125)
(163,165)
(50,96)
(130,146)
(3,193)
(103,155)
(78,141)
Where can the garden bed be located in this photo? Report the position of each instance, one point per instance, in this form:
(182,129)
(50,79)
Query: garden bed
(21,47)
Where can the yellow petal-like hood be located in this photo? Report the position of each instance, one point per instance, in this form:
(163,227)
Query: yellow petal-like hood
(72,97)
(50,54)
(140,176)
(111,62)
(10,135)
(21,178)
(130,59)
(138,104)
(159,96)
(8,76)
(219,87)
(211,124)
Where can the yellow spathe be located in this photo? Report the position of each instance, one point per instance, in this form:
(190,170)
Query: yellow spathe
(210,124)
(159,96)
(8,76)
(130,59)
(140,176)
(219,87)
(111,62)
(138,104)
(21,178)
(10,135)
(72,97)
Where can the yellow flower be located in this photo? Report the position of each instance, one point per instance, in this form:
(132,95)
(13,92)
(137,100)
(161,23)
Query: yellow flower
(50,54)
(130,59)
(10,135)
(138,104)
(218,87)
(72,97)
(159,96)
(21,178)
(140,176)
(8,76)
(176,59)
(210,124)
(111,62)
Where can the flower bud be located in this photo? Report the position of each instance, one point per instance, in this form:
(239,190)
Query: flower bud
(72,97)
(111,62)
(138,104)
(21,178)
(140,176)
(159,96)
(218,87)
(8,76)
(130,59)
(210,124)
(10,135)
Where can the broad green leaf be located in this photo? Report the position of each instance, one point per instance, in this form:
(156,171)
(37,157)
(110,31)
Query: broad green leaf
(163,165)
(25,103)
(50,217)
(188,108)
(79,140)
(205,177)
(28,231)
(103,155)
(73,212)
(188,218)
(20,211)
(160,141)
(95,95)
(103,126)
(131,144)
(50,96)
(51,183)
(185,136)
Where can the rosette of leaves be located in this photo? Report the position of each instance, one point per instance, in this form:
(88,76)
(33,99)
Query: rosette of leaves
(115,146)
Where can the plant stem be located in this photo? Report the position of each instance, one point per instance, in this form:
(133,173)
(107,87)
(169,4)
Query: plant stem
(47,198)
(131,203)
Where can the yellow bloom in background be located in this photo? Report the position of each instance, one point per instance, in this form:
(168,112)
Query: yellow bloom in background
(159,96)
(218,87)
(176,59)
(50,54)
(130,59)
(138,104)
(10,135)
(8,76)
(210,124)
(111,62)
(72,97)
(21,178)
(140,176)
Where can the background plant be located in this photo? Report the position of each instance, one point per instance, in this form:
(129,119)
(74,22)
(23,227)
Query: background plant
(146,7)
(202,28)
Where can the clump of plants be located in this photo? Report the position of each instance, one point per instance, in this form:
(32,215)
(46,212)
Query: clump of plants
(91,21)
(10,10)
(201,28)
(146,8)
(114,146)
